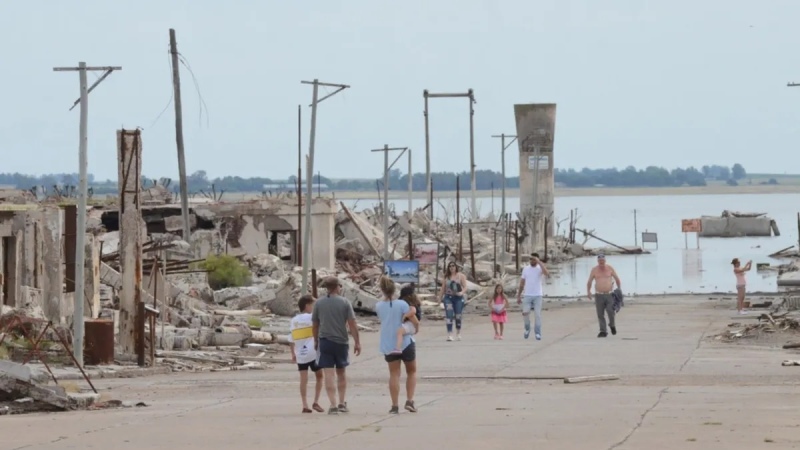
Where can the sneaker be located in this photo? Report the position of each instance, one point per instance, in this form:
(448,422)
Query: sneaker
(496,337)
(613,330)
(394,410)
(458,337)
(527,334)
(343,408)
(501,337)
(602,334)
(410,406)
(538,337)
(449,338)
(332,411)
(743,312)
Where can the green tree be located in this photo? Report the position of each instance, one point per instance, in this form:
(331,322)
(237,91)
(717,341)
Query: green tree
(226,271)
(738,172)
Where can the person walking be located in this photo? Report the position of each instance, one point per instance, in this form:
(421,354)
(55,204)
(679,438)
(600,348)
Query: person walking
(741,283)
(301,337)
(530,294)
(603,276)
(499,306)
(391,313)
(454,286)
(331,317)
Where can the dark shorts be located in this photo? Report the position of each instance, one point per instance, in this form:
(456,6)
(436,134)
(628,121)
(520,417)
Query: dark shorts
(332,355)
(409,354)
(308,366)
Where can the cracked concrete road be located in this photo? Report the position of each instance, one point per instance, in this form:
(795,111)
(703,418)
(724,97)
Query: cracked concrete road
(678,390)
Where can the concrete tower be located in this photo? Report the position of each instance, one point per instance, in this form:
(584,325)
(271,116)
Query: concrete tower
(536,126)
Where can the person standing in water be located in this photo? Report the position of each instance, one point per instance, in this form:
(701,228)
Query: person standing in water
(454,286)
(741,283)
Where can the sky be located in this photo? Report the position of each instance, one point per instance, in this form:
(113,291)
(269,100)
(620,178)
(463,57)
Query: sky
(637,82)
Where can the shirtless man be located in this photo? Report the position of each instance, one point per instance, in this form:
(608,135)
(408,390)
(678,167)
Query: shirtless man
(604,277)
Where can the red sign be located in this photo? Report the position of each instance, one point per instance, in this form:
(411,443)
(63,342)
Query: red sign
(691,225)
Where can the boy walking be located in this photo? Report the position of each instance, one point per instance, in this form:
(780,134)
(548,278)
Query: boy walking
(301,340)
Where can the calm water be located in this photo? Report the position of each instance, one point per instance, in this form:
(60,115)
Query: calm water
(671,268)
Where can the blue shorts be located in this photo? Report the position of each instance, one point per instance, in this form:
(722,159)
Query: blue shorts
(332,355)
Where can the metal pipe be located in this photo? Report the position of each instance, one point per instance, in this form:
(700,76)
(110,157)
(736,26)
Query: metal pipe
(386,202)
(473,203)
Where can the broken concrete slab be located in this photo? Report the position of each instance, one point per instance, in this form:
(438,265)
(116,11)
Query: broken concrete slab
(54,396)
(22,372)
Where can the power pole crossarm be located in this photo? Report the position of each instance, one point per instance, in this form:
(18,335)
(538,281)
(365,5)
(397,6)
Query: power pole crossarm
(80,239)
(793,84)
(386,149)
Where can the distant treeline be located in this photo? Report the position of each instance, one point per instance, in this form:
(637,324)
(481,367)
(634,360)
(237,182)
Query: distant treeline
(442,181)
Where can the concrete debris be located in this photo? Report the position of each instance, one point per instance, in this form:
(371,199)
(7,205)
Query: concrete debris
(767,323)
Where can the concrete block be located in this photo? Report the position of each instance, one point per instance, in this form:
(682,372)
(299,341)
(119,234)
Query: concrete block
(83,400)
(21,372)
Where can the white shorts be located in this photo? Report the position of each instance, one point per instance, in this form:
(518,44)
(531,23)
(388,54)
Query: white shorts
(409,328)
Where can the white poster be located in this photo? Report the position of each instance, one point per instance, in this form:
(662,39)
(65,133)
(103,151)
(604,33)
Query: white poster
(544,162)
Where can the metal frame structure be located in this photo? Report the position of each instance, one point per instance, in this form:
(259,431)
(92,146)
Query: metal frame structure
(470,94)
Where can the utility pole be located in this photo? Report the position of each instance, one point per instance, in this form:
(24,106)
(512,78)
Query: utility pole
(635,230)
(176,87)
(83,162)
(299,246)
(410,185)
(315,101)
(470,94)
(503,148)
(386,168)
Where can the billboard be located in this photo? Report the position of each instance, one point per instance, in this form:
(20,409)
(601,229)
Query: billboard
(402,271)
(426,252)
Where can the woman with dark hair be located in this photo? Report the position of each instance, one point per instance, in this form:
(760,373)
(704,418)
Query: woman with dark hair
(391,314)
(454,286)
(741,283)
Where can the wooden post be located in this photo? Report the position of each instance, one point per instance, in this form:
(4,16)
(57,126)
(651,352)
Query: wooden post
(314,283)
(545,240)
(472,255)
(516,244)
(139,333)
(458,207)
(410,247)
(460,247)
(798,230)
(494,257)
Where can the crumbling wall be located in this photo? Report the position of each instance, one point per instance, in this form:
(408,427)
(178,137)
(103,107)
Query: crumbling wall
(37,258)
(736,226)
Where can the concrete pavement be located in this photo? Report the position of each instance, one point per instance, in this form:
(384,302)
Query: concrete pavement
(678,389)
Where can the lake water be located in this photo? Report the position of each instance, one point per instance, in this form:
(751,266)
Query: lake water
(671,268)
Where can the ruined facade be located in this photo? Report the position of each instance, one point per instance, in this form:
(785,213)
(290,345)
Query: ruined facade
(31,258)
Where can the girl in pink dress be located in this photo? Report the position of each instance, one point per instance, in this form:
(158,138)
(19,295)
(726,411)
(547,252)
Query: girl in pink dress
(499,305)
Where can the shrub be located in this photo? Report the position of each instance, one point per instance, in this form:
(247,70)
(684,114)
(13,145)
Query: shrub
(254,323)
(226,271)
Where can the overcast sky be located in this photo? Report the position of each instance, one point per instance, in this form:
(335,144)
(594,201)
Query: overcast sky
(637,82)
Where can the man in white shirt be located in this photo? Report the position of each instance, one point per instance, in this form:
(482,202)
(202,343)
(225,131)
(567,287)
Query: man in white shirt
(530,295)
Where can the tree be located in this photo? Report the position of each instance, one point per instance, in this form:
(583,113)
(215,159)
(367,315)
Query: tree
(738,172)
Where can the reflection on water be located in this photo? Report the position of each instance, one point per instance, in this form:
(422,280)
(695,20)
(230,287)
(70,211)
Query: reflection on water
(672,268)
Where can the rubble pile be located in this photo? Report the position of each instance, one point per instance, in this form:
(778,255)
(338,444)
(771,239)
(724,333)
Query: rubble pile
(767,323)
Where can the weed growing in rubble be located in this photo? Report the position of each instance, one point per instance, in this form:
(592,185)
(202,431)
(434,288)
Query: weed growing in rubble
(254,323)
(3,352)
(226,271)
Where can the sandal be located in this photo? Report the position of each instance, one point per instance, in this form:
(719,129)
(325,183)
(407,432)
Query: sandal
(306,411)
(317,408)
